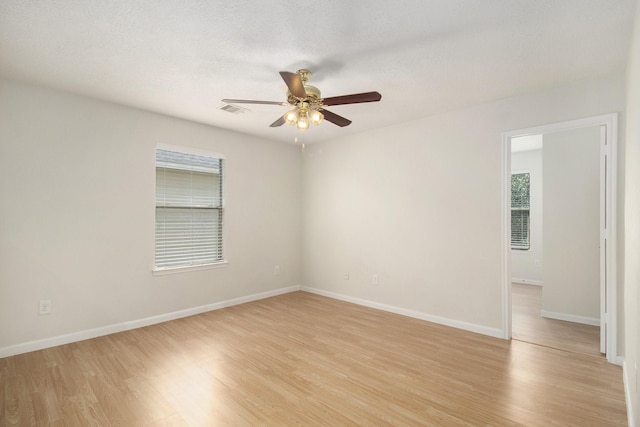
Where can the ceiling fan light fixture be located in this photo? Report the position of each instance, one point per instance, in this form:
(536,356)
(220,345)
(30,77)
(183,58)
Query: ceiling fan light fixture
(316,117)
(291,117)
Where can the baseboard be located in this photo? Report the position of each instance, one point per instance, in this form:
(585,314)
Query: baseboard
(133,324)
(593,321)
(492,332)
(628,380)
(526,281)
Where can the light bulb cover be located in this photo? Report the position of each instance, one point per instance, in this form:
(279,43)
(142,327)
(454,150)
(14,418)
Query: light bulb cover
(291,117)
(316,117)
(303,122)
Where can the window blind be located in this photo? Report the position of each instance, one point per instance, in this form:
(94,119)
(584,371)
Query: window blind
(189,209)
(520,210)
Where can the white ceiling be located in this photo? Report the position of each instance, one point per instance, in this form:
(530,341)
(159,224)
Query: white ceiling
(526,143)
(181,57)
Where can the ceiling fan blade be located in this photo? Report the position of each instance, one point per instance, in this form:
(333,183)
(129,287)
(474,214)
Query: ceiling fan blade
(352,99)
(248,101)
(278,122)
(294,83)
(334,118)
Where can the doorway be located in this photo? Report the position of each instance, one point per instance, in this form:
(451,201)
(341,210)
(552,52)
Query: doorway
(555,239)
(605,311)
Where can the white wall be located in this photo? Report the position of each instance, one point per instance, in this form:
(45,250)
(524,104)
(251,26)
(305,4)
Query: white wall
(571,170)
(526,265)
(632,227)
(77,214)
(419,204)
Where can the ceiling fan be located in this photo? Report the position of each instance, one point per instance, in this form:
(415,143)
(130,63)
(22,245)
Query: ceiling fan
(308,105)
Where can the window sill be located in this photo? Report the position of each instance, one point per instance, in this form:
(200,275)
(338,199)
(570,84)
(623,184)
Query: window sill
(174,270)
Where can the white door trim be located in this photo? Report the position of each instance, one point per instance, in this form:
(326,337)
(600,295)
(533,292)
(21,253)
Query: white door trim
(608,180)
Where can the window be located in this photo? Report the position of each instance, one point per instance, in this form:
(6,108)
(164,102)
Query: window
(189,209)
(520,211)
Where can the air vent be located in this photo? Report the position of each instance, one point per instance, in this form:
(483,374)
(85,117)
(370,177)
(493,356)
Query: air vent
(233,109)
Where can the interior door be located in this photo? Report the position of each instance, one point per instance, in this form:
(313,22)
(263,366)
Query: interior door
(604,229)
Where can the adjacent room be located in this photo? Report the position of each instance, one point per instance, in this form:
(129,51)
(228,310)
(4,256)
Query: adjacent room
(249,213)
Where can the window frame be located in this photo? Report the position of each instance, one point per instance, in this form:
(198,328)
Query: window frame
(163,270)
(512,209)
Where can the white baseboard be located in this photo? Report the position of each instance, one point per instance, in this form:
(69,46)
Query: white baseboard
(484,330)
(526,281)
(133,324)
(593,321)
(629,381)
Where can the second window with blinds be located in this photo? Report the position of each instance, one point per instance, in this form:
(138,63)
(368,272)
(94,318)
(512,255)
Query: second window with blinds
(189,210)
(520,209)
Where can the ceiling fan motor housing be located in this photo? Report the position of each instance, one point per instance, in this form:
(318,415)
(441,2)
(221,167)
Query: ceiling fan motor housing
(313,96)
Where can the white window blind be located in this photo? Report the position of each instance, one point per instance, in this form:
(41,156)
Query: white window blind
(520,209)
(189,209)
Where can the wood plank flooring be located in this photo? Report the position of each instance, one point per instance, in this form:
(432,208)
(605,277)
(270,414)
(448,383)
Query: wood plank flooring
(529,326)
(303,359)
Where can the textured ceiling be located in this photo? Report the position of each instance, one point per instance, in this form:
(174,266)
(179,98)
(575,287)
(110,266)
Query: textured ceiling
(181,57)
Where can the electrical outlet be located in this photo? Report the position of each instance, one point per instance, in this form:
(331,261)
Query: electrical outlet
(45,306)
(374,279)
(276,270)
(346,276)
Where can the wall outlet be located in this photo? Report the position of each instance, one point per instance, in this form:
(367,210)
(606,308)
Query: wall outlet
(374,279)
(45,306)
(276,270)
(346,276)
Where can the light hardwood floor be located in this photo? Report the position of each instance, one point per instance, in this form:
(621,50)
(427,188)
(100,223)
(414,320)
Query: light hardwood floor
(529,326)
(302,359)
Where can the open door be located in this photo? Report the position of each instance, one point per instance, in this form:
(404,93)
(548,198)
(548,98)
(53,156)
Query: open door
(604,168)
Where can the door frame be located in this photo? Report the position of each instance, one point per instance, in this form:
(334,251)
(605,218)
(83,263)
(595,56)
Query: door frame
(608,224)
